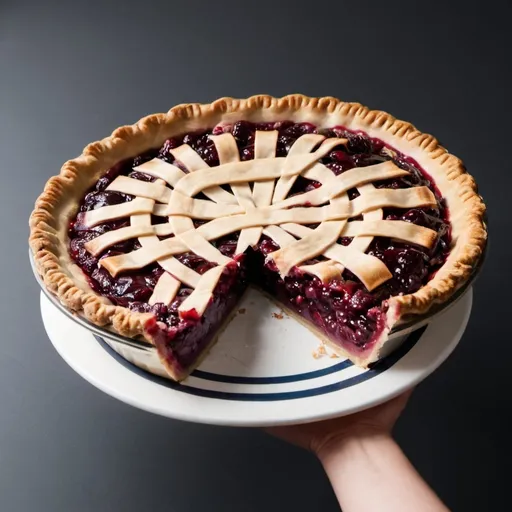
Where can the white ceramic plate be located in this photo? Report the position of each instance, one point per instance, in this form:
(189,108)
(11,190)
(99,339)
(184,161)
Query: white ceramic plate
(262,371)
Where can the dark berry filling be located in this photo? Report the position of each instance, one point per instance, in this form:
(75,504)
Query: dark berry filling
(183,340)
(343,309)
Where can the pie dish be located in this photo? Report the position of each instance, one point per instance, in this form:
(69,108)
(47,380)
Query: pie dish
(352,220)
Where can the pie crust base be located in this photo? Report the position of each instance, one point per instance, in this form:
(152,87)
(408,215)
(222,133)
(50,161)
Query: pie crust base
(60,200)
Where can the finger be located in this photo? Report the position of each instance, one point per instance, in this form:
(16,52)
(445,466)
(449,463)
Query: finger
(404,397)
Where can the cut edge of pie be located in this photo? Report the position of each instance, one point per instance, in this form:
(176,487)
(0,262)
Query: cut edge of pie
(61,197)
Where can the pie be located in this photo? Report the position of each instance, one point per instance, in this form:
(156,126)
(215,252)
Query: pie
(348,218)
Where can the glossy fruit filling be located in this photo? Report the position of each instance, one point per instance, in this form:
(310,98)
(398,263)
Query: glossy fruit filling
(343,310)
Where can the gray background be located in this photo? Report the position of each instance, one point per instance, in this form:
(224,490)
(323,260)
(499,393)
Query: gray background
(71,72)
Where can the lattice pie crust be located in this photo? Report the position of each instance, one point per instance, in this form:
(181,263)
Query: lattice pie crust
(255,203)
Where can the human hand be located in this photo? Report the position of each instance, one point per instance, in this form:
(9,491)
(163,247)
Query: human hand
(322,436)
(367,469)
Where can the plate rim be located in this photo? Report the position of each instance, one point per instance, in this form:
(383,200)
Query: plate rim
(270,419)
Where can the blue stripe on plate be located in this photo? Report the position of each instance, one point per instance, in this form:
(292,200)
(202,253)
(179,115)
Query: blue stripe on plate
(379,367)
(235,379)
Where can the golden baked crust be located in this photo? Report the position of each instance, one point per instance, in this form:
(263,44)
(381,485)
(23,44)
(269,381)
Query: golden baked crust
(59,201)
